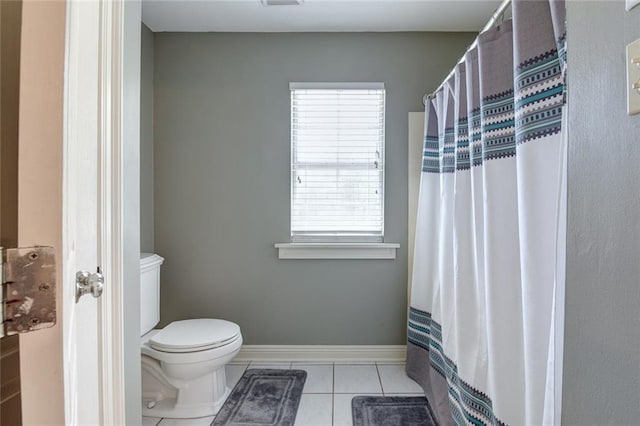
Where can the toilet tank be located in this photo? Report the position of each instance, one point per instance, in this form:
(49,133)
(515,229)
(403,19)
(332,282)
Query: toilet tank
(149,291)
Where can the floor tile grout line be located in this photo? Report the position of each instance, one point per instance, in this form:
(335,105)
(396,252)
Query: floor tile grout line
(342,364)
(359,393)
(380,379)
(333,392)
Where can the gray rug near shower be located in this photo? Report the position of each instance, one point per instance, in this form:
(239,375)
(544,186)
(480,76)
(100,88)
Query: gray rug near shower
(391,411)
(263,397)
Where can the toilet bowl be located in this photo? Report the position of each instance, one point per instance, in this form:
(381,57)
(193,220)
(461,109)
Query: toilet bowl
(183,364)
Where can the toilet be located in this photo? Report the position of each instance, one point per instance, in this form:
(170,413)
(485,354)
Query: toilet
(183,364)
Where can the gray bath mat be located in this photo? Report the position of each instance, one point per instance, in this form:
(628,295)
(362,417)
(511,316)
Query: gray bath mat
(391,411)
(263,397)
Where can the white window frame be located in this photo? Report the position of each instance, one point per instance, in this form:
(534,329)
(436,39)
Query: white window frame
(339,247)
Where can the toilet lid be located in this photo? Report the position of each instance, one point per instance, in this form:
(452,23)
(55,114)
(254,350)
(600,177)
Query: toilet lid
(194,335)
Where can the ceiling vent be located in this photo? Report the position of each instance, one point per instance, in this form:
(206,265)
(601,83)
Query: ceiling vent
(282,2)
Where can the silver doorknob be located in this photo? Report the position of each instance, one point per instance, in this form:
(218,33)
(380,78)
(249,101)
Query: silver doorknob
(86,283)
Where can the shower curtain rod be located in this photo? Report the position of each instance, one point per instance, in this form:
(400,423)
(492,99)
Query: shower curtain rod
(496,15)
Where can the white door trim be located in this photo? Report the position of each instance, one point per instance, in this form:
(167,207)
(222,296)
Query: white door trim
(414,173)
(110,97)
(112,374)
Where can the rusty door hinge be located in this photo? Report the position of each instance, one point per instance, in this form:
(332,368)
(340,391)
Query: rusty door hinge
(28,289)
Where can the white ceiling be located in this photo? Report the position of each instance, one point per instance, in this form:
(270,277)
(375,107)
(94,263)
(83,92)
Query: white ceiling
(317,15)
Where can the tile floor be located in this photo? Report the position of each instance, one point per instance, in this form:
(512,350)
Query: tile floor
(326,398)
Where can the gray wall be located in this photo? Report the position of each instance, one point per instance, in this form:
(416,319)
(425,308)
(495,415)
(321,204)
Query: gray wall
(146,141)
(602,328)
(221,156)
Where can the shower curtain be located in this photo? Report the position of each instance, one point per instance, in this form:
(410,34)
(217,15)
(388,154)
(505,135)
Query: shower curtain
(486,309)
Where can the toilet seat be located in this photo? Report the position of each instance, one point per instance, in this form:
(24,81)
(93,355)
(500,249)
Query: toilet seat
(188,357)
(194,335)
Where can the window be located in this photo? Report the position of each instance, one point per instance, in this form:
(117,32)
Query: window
(337,162)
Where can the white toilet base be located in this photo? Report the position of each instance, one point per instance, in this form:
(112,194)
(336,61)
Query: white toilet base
(200,397)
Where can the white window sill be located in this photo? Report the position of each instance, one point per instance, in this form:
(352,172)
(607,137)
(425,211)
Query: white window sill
(336,250)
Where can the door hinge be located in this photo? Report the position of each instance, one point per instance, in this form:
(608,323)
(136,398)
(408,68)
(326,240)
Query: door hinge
(28,289)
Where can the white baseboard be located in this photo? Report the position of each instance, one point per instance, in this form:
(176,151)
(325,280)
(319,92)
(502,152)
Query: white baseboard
(324,353)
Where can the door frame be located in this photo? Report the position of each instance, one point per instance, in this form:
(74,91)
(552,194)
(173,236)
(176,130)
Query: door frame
(110,204)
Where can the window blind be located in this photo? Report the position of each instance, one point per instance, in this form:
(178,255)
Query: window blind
(337,162)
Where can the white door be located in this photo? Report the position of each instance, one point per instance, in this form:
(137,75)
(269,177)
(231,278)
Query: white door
(94,376)
(80,215)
